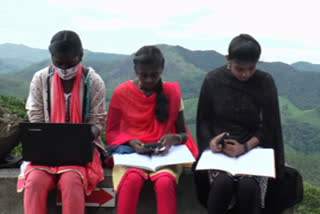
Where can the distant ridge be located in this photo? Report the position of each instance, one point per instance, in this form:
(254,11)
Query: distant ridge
(306,66)
(20,51)
(187,66)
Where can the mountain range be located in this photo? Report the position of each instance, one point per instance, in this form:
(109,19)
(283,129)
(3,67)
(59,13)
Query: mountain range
(306,66)
(298,88)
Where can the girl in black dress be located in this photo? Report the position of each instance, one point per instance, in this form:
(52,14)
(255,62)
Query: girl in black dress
(240,100)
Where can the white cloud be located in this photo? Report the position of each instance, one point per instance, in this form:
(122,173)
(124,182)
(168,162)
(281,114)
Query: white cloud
(92,23)
(282,27)
(146,8)
(290,55)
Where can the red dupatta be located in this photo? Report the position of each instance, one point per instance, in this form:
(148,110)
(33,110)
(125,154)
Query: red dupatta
(58,113)
(131,115)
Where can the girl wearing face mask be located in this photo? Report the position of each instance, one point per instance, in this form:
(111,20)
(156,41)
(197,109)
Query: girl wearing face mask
(57,95)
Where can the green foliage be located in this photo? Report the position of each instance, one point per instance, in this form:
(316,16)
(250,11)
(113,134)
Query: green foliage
(15,105)
(190,110)
(289,110)
(18,150)
(311,201)
(307,164)
(301,128)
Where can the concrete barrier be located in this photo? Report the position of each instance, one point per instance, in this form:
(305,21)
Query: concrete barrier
(11,202)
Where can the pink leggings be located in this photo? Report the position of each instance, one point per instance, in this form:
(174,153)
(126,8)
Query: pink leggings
(39,183)
(164,187)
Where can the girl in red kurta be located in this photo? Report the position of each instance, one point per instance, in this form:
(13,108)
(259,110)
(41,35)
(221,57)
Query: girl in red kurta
(141,111)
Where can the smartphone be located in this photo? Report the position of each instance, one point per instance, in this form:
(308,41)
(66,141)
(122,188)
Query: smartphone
(221,139)
(152,145)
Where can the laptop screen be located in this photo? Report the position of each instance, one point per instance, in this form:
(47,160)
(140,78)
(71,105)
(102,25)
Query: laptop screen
(55,144)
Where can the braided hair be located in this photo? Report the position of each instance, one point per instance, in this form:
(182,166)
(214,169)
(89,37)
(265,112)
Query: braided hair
(151,55)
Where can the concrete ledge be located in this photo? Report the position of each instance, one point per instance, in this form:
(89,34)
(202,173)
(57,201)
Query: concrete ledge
(11,202)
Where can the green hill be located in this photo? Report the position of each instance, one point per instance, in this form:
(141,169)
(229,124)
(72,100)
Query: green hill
(15,57)
(12,64)
(189,68)
(15,51)
(289,110)
(300,87)
(299,91)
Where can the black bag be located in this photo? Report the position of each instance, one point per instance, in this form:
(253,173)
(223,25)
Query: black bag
(284,192)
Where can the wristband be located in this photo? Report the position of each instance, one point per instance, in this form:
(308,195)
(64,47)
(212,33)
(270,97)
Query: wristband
(246,148)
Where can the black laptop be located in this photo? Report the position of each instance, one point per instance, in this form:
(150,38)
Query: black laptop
(56,144)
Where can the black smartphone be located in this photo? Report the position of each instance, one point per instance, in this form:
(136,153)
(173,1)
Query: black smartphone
(152,145)
(221,139)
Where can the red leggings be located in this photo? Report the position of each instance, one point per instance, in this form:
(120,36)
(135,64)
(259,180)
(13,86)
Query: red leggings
(39,183)
(164,187)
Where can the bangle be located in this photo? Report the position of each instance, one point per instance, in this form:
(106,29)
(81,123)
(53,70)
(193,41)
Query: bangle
(245,146)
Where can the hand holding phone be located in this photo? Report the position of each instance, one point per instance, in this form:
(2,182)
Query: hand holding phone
(221,139)
(152,145)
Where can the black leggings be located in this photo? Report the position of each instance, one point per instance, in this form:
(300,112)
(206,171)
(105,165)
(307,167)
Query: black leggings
(246,190)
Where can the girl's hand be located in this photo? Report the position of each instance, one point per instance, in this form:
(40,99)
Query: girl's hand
(213,143)
(233,148)
(167,141)
(138,146)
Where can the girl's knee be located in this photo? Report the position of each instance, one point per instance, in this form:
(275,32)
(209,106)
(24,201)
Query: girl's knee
(38,179)
(70,179)
(164,183)
(134,178)
(249,186)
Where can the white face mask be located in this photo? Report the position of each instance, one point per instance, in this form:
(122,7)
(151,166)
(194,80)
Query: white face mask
(67,74)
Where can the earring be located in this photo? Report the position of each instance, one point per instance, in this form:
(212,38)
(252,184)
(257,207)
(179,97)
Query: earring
(228,66)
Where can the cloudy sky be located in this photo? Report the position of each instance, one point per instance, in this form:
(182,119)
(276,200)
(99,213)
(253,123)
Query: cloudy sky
(288,30)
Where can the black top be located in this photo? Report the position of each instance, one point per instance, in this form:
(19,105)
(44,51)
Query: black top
(244,109)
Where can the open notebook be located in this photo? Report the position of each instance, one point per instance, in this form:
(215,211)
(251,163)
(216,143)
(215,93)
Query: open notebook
(258,161)
(178,154)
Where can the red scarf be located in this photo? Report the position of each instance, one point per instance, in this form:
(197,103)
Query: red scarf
(58,111)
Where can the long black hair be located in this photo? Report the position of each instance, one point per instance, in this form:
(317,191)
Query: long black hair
(151,55)
(66,41)
(244,48)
